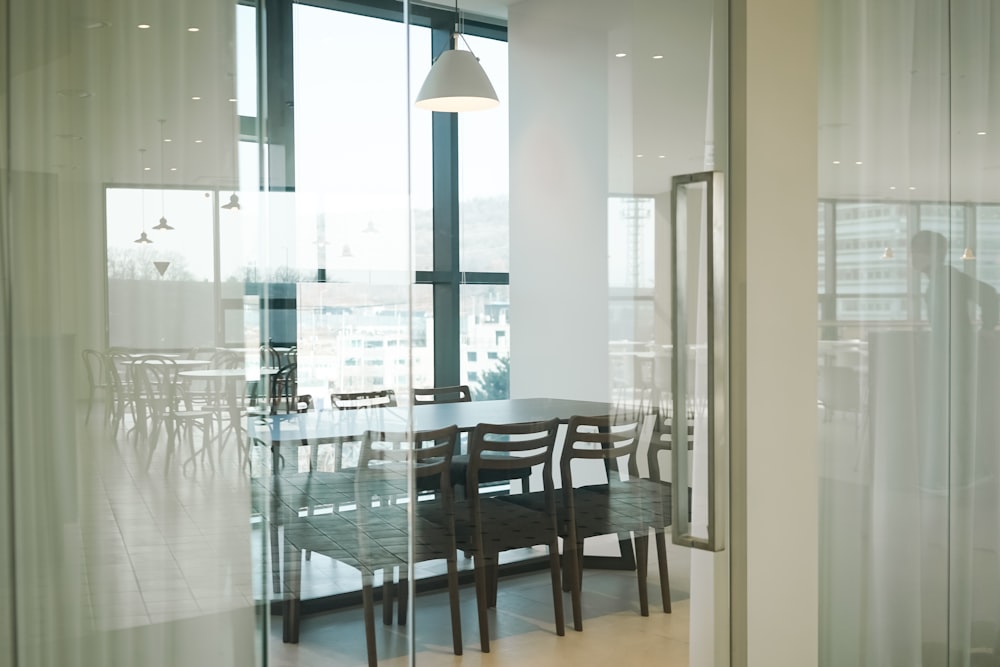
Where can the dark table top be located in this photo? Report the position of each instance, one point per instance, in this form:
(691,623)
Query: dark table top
(323,425)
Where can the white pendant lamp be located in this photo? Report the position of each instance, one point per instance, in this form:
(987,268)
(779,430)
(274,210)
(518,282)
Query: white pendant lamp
(162,224)
(457,81)
(143,237)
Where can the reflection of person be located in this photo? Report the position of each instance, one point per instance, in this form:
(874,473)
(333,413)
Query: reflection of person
(952,295)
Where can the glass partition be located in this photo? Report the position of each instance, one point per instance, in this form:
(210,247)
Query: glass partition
(909,542)
(222,218)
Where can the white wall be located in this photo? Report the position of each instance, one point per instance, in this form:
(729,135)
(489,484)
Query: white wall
(774,486)
(558,201)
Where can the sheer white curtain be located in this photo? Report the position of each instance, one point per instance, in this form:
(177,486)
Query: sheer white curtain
(106,559)
(910,552)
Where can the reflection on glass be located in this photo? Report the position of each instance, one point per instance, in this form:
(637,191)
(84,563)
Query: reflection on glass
(145,282)
(871,283)
(352,174)
(354,337)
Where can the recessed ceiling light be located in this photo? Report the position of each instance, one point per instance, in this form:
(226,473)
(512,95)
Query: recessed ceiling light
(858,162)
(173,169)
(145,168)
(657,57)
(639,155)
(167,141)
(143,26)
(836,161)
(981,133)
(620,55)
(232,99)
(195,97)
(892,187)
(913,187)
(194,29)
(197,141)
(661,156)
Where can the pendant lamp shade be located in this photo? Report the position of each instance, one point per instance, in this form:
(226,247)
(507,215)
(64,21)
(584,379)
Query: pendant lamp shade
(457,82)
(234,203)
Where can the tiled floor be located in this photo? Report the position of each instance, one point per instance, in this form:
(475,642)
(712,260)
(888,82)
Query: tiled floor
(175,542)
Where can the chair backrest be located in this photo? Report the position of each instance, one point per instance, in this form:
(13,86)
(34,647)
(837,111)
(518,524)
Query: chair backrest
(457,394)
(392,457)
(384,398)
(96,365)
(226,359)
(269,357)
(613,439)
(155,378)
(662,440)
(513,446)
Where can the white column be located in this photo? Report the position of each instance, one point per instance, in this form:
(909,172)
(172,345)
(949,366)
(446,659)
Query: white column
(773,196)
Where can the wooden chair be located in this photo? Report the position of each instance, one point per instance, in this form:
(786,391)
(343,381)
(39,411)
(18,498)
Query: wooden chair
(384,536)
(489,525)
(623,504)
(359,400)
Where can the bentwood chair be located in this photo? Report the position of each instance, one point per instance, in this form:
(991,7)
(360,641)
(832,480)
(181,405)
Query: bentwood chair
(620,504)
(488,525)
(160,403)
(99,382)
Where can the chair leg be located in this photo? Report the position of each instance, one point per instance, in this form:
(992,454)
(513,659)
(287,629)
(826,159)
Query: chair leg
(641,569)
(402,596)
(557,601)
(493,580)
(368,601)
(661,558)
(388,595)
(480,566)
(456,612)
(571,578)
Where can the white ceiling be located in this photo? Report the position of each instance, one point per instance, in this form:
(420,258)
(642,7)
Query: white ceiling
(903,96)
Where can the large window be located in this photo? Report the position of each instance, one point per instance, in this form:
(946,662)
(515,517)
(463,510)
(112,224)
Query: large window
(379,246)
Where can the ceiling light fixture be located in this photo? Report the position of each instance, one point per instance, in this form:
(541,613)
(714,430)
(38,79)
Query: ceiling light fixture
(457,82)
(162,224)
(143,238)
